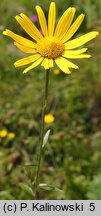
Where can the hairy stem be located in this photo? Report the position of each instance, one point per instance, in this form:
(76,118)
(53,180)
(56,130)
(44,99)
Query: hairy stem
(42,132)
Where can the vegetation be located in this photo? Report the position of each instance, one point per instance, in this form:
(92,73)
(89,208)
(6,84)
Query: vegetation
(73,154)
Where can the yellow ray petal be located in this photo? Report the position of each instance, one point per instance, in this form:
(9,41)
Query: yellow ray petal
(31,25)
(51,63)
(81,40)
(24,48)
(64,64)
(47,63)
(81,56)
(77,56)
(51,19)
(73,28)
(27,28)
(63,23)
(26,60)
(19,39)
(42,20)
(73,53)
(35,64)
(68,23)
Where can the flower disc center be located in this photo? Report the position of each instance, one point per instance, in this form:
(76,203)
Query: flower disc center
(50,47)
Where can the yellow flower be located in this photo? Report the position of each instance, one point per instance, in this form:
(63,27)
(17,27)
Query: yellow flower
(11,135)
(56,71)
(49,118)
(3,133)
(55,43)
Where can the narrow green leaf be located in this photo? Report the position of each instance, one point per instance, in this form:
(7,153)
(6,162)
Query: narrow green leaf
(45,139)
(50,187)
(58,190)
(26,188)
(46,187)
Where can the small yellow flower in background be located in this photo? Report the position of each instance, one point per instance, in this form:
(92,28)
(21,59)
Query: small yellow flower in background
(56,71)
(11,135)
(55,43)
(3,133)
(49,118)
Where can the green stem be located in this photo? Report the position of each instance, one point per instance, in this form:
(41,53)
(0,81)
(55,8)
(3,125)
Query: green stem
(42,132)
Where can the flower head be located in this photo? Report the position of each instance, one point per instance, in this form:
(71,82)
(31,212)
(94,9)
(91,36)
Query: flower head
(11,135)
(49,118)
(34,18)
(56,71)
(55,43)
(3,133)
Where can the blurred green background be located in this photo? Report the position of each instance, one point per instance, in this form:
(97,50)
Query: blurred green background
(73,154)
